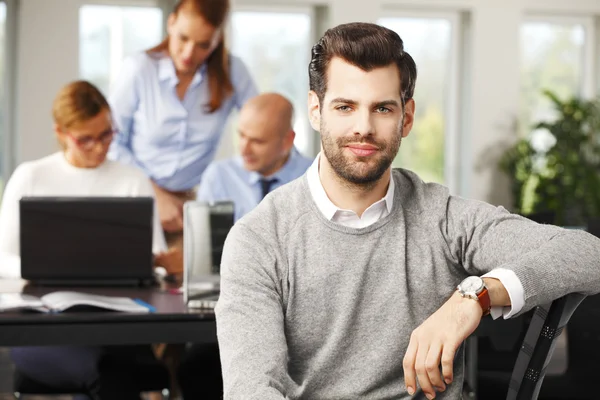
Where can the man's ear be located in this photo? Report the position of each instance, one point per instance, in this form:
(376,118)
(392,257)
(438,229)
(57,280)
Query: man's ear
(409,117)
(288,141)
(314,111)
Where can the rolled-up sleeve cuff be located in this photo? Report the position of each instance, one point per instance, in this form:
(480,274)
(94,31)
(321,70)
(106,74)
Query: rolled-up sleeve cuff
(513,286)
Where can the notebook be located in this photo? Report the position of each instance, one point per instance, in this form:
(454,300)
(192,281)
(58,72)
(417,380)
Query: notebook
(65,300)
(87,240)
(205,229)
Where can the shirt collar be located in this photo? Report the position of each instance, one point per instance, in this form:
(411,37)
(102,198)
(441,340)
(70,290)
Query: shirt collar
(284,174)
(166,71)
(326,206)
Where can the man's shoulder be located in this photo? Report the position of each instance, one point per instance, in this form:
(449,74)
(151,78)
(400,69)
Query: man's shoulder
(417,194)
(279,209)
(224,164)
(221,169)
(295,190)
(304,161)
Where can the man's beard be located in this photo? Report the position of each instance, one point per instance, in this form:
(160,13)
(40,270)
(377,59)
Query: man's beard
(363,172)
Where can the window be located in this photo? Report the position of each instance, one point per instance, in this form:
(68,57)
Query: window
(110,33)
(275,46)
(552,57)
(428,39)
(3,150)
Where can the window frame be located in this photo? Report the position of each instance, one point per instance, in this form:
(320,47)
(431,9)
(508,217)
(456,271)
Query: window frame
(314,142)
(159,4)
(591,70)
(452,108)
(122,3)
(9,126)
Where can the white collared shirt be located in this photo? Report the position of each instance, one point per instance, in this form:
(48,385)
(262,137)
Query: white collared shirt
(382,208)
(347,218)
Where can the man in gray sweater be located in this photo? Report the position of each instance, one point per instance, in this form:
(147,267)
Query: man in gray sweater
(343,283)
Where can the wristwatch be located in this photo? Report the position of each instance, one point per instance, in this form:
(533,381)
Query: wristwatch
(474,288)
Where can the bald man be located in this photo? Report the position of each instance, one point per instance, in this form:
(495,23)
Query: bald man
(268,160)
(268,157)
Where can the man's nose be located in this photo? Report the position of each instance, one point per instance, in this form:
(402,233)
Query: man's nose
(364,123)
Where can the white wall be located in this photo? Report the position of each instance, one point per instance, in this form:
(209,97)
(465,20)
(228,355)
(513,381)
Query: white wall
(48,58)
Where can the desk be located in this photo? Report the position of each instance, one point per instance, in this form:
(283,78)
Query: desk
(171,323)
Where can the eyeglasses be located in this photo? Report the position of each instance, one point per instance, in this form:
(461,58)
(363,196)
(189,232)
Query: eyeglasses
(88,142)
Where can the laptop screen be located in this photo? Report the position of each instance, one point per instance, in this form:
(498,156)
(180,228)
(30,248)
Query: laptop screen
(72,238)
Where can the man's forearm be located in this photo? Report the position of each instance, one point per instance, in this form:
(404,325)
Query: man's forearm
(498,294)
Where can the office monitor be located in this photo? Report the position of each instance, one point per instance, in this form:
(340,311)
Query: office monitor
(206,227)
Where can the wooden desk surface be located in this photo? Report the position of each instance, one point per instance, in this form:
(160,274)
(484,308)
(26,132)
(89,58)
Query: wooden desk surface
(171,323)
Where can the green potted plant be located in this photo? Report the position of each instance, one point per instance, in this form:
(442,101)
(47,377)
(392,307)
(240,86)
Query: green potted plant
(562,178)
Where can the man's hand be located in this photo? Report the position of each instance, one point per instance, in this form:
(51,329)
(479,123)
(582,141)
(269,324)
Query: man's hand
(435,342)
(170,210)
(171,260)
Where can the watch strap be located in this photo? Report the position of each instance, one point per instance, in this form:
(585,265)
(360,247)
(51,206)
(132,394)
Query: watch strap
(485,301)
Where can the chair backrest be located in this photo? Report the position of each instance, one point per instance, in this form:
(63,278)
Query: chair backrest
(546,325)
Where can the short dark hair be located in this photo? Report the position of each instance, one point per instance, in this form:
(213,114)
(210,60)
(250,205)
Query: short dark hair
(366,46)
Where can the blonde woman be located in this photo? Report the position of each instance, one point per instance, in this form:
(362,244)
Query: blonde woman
(84,129)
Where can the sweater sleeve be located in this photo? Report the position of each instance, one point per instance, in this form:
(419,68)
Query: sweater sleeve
(549,261)
(250,320)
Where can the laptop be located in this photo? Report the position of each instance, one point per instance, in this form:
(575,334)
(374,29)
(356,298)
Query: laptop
(87,240)
(205,229)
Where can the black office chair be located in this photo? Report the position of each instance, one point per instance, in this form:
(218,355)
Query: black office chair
(492,353)
(547,323)
(544,326)
(150,376)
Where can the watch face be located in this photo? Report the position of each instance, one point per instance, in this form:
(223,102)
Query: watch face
(472,284)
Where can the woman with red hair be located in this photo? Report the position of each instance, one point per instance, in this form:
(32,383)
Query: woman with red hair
(171,104)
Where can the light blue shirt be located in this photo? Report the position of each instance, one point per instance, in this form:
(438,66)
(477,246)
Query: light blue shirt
(171,140)
(228,180)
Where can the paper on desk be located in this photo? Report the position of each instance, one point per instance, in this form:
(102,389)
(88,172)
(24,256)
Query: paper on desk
(16,301)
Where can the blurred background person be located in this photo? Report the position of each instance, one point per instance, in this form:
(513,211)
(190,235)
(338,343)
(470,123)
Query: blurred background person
(84,129)
(267,161)
(171,104)
(268,156)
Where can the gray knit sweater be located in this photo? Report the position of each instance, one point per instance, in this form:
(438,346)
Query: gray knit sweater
(310,309)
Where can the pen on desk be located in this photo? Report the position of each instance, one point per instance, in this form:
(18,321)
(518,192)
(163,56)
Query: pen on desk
(143,303)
